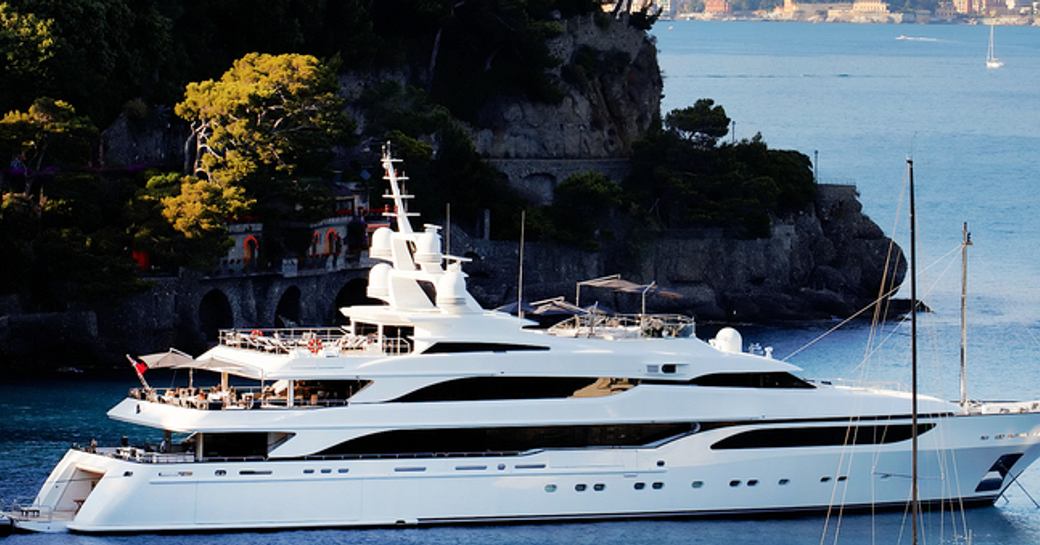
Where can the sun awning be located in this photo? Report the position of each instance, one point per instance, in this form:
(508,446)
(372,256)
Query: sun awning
(171,358)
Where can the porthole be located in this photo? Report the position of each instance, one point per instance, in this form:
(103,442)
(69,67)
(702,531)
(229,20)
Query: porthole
(697,484)
(128,473)
(326,471)
(660,463)
(752,482)
(825,479)
(639,486)
(658,485)
(580,487)
(734,483)
(220,472)
(501,466)
(550,488)
(783,482)
(843,478)
(308,471)
(598,487)
(342,470)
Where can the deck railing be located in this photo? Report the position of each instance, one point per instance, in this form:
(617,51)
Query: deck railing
(234,397)
(316,340)
(621,326)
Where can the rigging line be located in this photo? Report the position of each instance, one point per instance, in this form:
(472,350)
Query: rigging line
(903,320)
(862,310)
(1028,495)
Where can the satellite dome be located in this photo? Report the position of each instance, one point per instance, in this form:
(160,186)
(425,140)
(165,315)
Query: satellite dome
(381,244)
(379,281)
(728,340)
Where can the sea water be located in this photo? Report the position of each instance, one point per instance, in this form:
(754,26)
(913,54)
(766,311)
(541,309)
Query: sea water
(863,100)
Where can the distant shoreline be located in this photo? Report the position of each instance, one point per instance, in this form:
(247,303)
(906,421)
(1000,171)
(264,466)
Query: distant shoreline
(896,18)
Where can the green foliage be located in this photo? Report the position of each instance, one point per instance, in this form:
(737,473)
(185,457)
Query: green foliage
(68,249)
(268,125)
(27,43)
(679,183)
(583,208)
(101,53)
(703,123)
(48,134)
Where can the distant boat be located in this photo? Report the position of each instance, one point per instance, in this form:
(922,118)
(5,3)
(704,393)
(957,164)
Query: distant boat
(992,61)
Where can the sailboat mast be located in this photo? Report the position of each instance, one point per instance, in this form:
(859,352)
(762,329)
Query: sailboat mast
(965,242)
(914,504)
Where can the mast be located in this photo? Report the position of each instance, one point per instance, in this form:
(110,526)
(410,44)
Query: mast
(914,504)
(989,52)
(965,242)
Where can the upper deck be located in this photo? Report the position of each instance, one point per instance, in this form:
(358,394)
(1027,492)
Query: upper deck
(318,341)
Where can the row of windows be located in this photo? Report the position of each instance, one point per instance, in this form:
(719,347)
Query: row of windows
(821,436)
(658,485)
(506,440)
(497,388)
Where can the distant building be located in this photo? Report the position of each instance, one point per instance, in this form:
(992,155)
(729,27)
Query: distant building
(874,7)
(717,7)
(965,7)
(945,10)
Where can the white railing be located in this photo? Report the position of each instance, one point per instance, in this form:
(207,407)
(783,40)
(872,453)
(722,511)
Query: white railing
(623,326)
(318,341)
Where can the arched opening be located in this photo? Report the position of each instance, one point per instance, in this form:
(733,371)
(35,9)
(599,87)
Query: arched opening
(315,243)
(250,249)
(352,293)
(332,242)
(214,314)
(287,313)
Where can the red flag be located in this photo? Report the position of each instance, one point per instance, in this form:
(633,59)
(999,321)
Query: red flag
(140,367)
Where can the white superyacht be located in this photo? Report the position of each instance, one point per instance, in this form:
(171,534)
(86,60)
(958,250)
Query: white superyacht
(429,409)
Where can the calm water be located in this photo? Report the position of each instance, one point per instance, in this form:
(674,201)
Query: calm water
(862,99)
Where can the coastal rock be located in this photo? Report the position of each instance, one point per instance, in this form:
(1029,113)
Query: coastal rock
(825,262)
(611,87)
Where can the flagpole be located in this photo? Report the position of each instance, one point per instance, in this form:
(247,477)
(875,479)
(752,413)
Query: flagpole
(140,376)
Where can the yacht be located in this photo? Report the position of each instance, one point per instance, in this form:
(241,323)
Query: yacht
(428,409)
(992,62)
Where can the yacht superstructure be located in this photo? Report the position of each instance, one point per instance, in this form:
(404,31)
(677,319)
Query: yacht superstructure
(428,409)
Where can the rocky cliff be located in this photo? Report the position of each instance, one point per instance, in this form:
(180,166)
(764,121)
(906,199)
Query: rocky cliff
(611,86)
(827,261)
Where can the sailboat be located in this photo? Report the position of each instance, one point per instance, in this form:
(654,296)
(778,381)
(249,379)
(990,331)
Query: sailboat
(992,61)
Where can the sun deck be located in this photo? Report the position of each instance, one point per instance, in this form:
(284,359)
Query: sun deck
(327,342)
(625,326)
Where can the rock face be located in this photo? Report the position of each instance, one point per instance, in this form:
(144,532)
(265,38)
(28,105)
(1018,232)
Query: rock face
(612,93)
(828,261)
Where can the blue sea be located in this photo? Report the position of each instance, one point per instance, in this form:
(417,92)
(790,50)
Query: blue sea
(864,101)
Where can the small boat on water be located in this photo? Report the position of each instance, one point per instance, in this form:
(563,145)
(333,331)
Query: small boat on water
(427,409)
(992,62)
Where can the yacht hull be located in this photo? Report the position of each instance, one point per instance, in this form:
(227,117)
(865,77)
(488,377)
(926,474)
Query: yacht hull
(100,493)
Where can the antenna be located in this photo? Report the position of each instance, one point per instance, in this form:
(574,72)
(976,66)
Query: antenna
(397,194)
(447,228)
(520,280)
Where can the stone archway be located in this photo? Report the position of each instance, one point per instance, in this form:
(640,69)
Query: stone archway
(287,313)
(352,293)
(214,314)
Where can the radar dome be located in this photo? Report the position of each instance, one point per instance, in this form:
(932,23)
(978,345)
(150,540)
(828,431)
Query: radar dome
(379,281)
(381,244)
(451,290)
(428,247)
(728,340)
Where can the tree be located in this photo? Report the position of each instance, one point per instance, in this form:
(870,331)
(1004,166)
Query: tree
(48,134)
(27,43)
(703,123)
(266,125)
(583,206)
